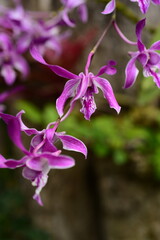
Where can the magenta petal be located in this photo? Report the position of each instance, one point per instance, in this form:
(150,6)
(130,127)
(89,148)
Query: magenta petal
(143,58)
(51,160)
(131,73)
(110,7)
(21,65)
(154,58)
(88,103)
(9,74)
(23,43)
(68,91)
(67,20)
(28,131)
(60,162)
(38,199)
(72,143)
(155,46)
(144,5)
(2,162)
(108,69)
(48,147)
(156,77)
(108,93)
(56,69)
(40,181)
(37,163)
(29,173)
(83,13)
(11,163)
(14,130)
(156,2)
(139,27)
(88,106)
(140,46)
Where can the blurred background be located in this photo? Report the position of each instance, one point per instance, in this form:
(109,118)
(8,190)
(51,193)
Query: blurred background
(115,193)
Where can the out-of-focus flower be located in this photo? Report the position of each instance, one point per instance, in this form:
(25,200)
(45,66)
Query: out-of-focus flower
(43,154)
(69,5)
(82,86)
(144,4)
(27,30)
(10,60)
(149,59)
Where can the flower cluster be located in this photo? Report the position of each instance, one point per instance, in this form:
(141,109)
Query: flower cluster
(82,86)
(43,154)
(148,58)
(20,29)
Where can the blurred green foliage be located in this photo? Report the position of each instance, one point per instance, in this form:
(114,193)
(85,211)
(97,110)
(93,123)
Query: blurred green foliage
(15,221)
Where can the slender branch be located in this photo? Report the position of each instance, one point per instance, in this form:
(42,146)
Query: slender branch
(122,35)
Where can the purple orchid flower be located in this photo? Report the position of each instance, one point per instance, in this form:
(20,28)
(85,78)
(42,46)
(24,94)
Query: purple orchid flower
(69,5)
(10,60)
(82,86)
(43,154)
(144,4)
(148,58)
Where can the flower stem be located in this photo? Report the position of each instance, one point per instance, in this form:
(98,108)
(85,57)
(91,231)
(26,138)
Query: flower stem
(124,38)
(92,52)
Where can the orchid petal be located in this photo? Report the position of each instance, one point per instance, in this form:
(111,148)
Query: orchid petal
(68,91)
(56,69)
(9,74)
(72,143)
(83,13)
(67,20)
(23,43)
(139,27)
(37,163)
(141,46)
(143,58)
(108,93)
(29,173)
(154,58)
(11,163)
(48,147)
(88,103)
(108,69)
(156,2)
(110,7)
(28,131)
(156,77)
(53,161)
(131,73)
(38,199)
(155,46)
(21,65)
(2,162)
(61,162)
(14,130)
(144,5)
